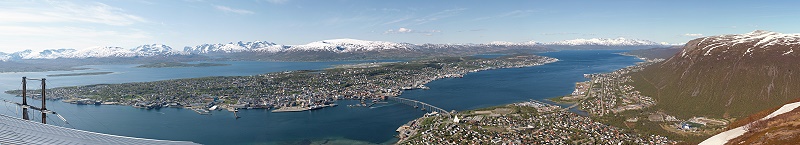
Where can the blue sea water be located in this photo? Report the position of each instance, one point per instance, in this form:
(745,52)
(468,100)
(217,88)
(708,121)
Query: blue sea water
(336,125)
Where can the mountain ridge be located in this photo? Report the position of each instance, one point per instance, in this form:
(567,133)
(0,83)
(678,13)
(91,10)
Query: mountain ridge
(606,42)
(344,45)
(725,76)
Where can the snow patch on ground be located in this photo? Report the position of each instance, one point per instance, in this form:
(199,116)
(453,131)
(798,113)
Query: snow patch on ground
(726,136)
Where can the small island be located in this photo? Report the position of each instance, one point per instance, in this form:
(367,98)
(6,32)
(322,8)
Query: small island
(79,74)
(179,64)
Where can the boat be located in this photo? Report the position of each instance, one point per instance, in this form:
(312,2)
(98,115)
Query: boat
(213,107)
(315,107)
(202,111)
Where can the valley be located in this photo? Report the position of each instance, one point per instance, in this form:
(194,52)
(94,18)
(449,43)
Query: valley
(699,90)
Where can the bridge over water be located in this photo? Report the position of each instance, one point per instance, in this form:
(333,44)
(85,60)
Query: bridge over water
(419,104)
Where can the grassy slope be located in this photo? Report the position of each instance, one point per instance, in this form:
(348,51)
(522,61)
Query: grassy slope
(663,53)
(719,89)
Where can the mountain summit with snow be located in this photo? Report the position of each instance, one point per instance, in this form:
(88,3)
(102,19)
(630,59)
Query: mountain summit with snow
(726,76)
(336,46)
(603,42)
(505,43)
(95,52)
(261,46)
(756,43)
(349,45)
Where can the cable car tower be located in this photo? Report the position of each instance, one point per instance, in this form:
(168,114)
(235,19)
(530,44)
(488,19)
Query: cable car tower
(24,105)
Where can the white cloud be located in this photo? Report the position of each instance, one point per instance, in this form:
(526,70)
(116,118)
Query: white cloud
(439,15)
(410,18)
(693,34)
(65,11)
(399,30)
(233,10)
(398,20)
(64,31)
(16,38)
(41,25)
(403,30)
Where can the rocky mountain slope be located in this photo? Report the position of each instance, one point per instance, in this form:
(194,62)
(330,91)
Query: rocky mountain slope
(727,76)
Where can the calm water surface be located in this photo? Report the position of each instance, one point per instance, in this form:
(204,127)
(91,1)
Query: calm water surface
(339,125)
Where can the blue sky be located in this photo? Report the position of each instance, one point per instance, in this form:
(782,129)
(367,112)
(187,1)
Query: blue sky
(80,24)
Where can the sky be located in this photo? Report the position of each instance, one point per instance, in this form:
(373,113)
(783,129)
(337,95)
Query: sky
(38,25)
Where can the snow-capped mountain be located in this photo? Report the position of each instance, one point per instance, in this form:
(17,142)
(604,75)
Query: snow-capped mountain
(94,52)
(506,43)
(349,45)
(594,43)
(759,42)
(4,56)
(100,52)
(240,46)
(728,75)
(20,54)
(155,49)
(50,54)
(333,45)
(345,46)
(605,42)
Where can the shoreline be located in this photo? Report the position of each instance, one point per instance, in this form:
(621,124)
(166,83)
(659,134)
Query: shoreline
(419,84)
(552,101)
(487,69)
(529,62)
(79,74)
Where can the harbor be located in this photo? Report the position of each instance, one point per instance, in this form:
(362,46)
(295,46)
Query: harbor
(202,111)
(292,91)
(376,124)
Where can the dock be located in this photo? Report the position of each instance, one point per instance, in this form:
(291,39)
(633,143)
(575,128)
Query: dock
(202,111)
(291,109)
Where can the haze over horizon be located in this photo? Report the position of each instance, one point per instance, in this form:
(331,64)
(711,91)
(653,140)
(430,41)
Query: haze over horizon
(41,25)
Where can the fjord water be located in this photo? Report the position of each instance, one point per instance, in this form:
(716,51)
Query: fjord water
(337,125)
(504,86)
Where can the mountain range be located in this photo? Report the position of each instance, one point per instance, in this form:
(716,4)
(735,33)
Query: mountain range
(338,46)
(94,52)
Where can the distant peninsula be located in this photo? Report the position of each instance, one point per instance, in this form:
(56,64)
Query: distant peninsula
(79,74)
(179,64)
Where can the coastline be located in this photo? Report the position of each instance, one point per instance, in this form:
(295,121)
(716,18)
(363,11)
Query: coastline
(418,83)
(387,132)
(407,132)
(79,74)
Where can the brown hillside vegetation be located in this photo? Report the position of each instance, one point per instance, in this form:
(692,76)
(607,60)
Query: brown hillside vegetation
(781,129)
(756,116)
(729,76)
